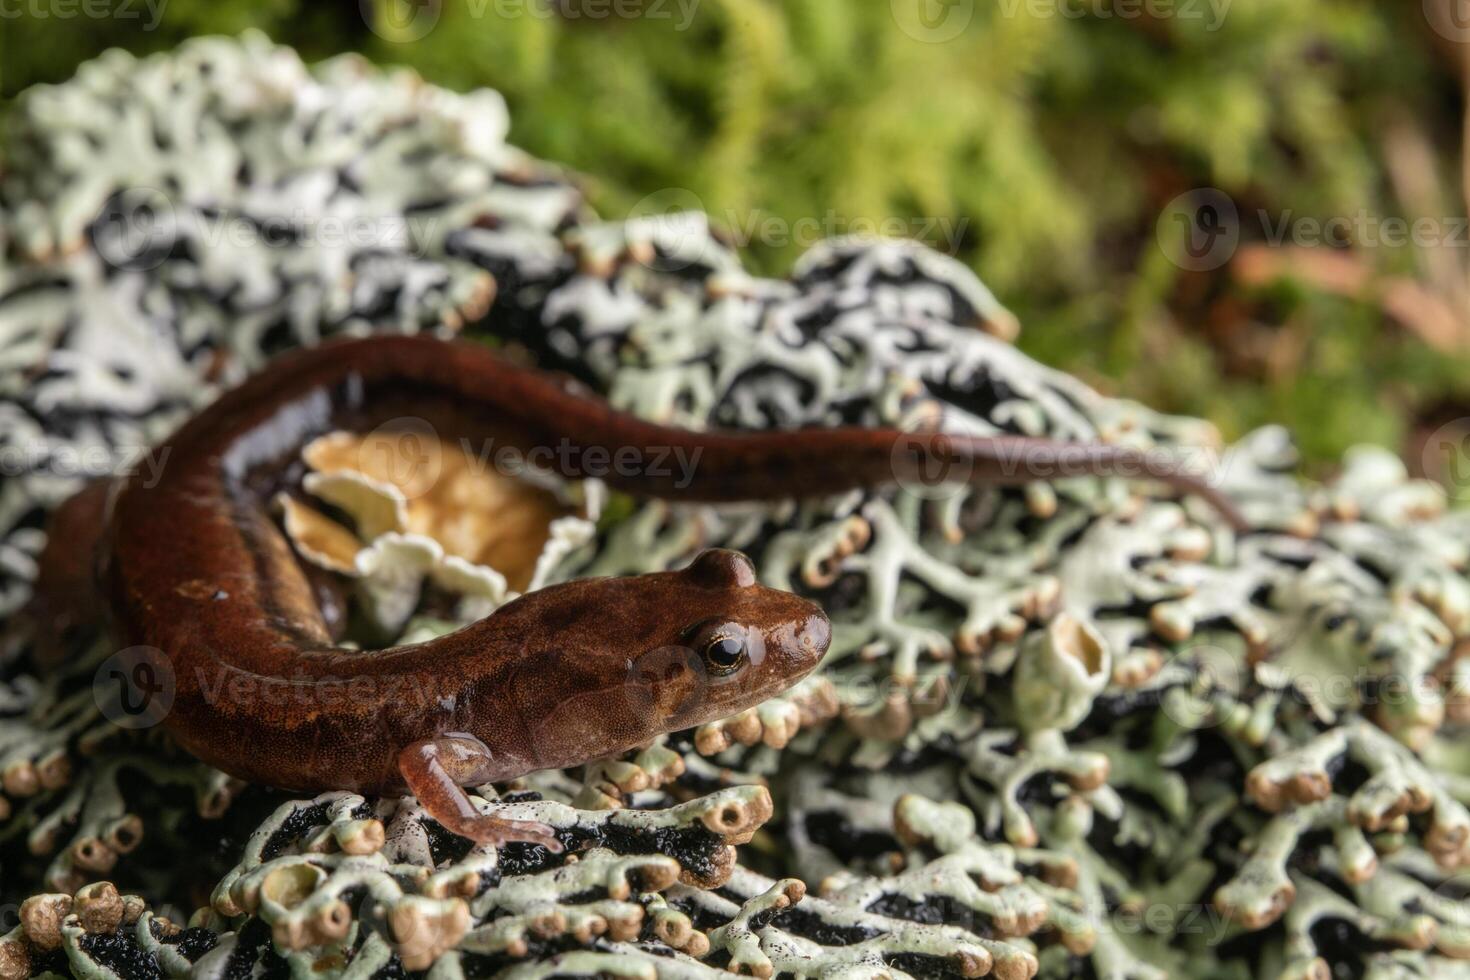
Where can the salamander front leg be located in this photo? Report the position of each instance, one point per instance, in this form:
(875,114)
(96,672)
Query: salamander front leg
(436,768)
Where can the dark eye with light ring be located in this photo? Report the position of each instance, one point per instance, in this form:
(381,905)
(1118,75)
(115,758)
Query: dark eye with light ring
(724,655)
(721,645)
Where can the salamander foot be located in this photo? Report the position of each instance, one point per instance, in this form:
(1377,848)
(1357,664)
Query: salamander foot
(436,768)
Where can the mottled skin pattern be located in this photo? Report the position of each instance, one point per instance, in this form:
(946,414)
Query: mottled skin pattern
(194,566)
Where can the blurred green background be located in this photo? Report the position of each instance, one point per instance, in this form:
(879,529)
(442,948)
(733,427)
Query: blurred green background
(1040,141)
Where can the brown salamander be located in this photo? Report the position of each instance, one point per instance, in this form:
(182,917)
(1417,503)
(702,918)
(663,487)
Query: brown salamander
(194,566)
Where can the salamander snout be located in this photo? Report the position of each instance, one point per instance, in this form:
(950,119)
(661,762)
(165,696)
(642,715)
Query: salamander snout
(813,637)
(791,633)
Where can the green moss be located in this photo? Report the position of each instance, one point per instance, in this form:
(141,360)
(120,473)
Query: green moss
(1040,148)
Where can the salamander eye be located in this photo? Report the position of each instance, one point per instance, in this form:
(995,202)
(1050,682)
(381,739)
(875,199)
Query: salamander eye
(724,655)
(724,647)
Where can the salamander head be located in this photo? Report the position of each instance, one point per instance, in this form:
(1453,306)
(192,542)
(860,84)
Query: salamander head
(726,644)
(611,663)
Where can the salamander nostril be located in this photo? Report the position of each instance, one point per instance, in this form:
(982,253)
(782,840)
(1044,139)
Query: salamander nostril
(816,635)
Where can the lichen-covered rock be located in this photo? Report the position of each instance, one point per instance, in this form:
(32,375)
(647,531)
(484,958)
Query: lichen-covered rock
(1074,729)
